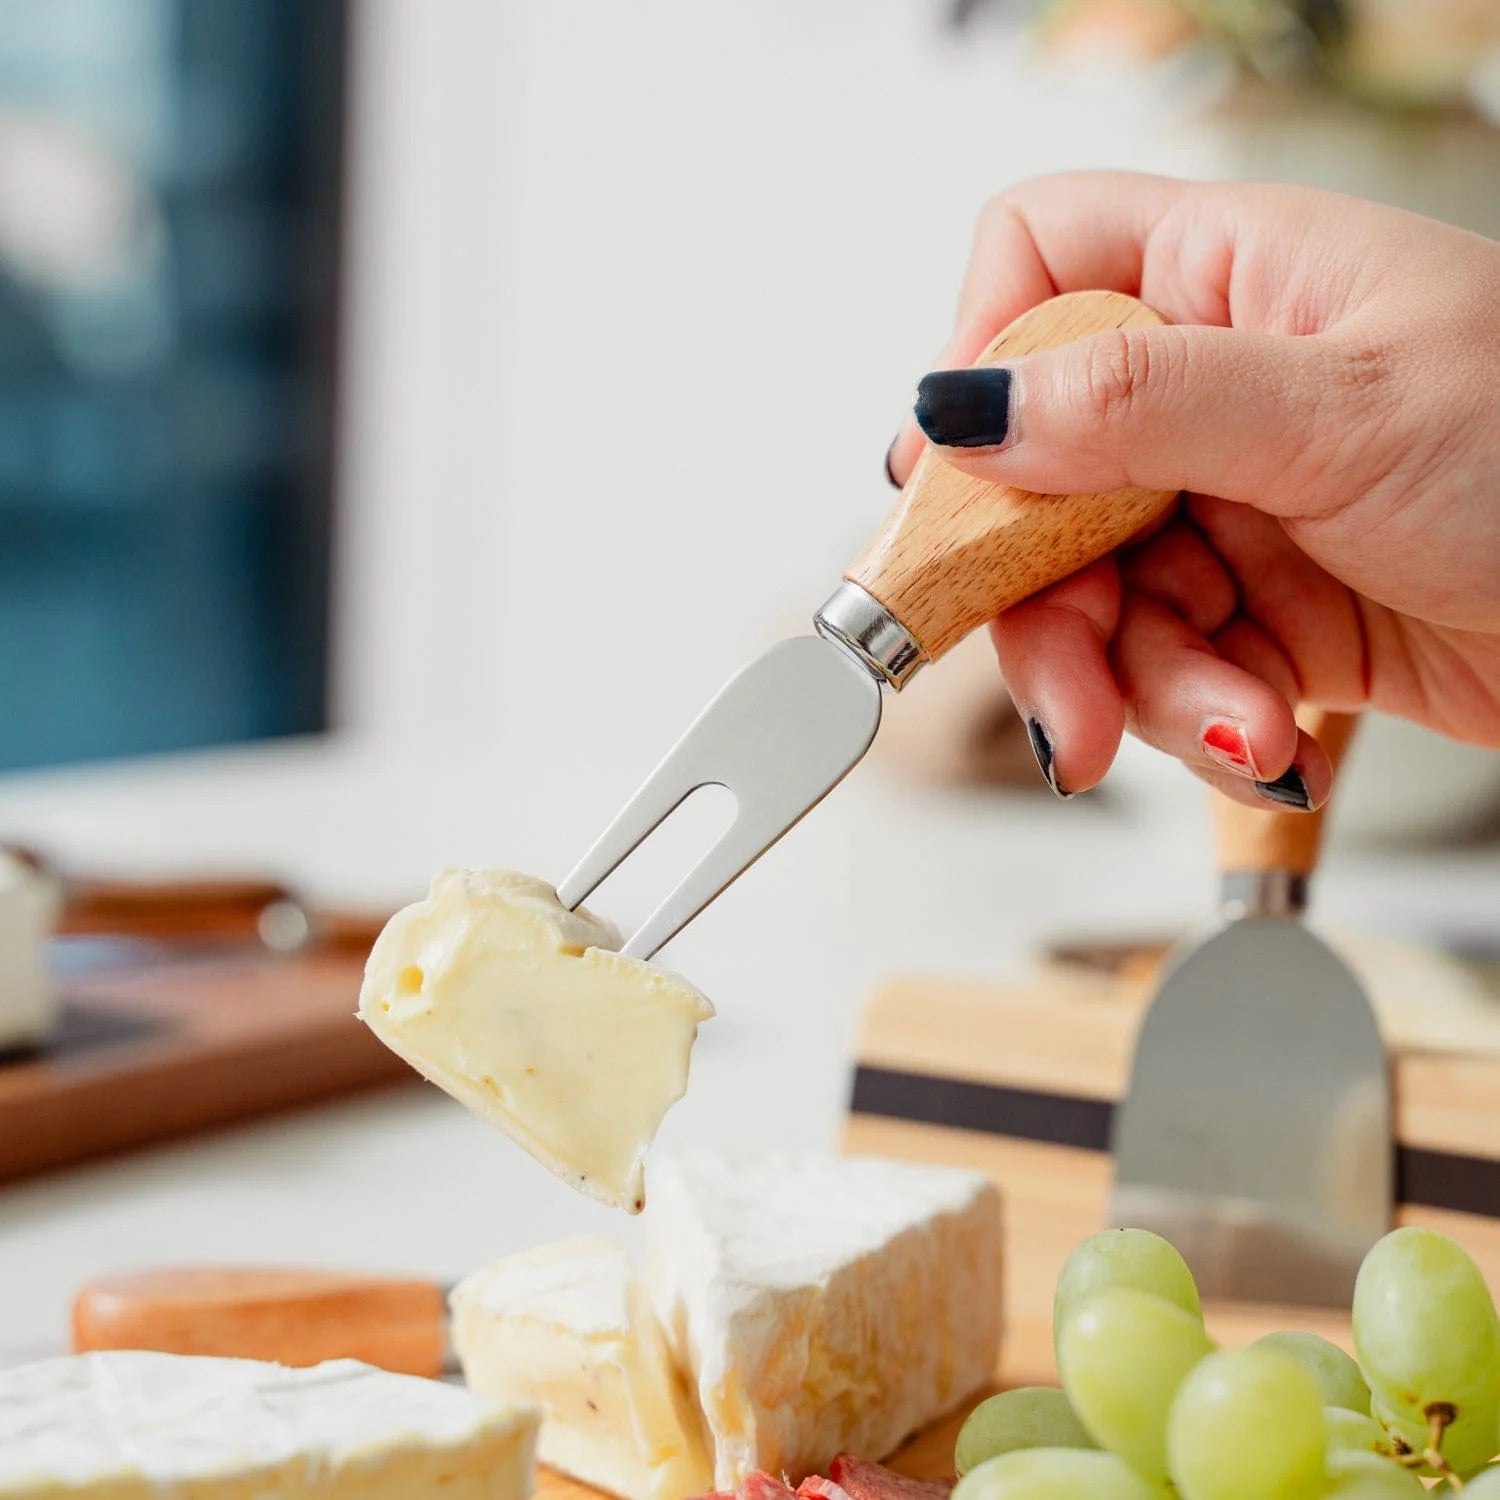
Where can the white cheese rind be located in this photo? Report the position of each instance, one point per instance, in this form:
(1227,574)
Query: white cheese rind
(822,1304)
(128,1425)
(567,1329)
(523,1011)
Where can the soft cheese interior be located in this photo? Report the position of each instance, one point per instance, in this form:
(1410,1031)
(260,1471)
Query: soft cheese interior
(135,1426)
(523,1011)
(802,1307)
(568,1328)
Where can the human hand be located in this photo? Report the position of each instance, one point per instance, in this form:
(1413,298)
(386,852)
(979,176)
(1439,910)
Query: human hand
(1328,397)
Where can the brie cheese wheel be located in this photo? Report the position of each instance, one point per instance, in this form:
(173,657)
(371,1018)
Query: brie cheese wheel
(566,1328)
(29,903)
(523,1011)
(134,1426)
(822,1304)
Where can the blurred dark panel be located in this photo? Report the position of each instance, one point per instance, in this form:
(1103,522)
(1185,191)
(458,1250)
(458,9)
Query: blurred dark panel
(168,291)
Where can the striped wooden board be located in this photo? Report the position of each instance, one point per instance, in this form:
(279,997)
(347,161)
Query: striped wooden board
(1020,1082)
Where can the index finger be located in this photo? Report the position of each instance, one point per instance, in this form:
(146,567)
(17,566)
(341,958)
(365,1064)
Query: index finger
(1071,232)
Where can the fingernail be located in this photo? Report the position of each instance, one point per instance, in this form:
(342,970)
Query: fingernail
(965,408)
(1289,790)
(1041,747)
(890,473)
(1225,742)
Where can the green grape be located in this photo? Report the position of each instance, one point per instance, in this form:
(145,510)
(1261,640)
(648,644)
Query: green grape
(1123,1355)
(1429,1344)
(1336,1374)
(1053,1474)
(1346,1431)
(1367,1476)
(1121,1257)
(1032,1416)
(1247,1424)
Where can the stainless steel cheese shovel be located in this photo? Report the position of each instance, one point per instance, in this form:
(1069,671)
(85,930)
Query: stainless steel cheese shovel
(952,555)
(1256,1132)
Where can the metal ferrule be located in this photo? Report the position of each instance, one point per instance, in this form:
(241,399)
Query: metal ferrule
(1262,893)
(864,626)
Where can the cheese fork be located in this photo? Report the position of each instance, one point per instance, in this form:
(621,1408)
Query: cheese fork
(953,554)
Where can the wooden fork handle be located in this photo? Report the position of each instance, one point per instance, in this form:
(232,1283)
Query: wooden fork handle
(955,552)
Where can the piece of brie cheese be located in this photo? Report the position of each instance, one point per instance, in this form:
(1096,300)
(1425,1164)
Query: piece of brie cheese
(523,1011)
(132,1426)
(29,903)
(566,1328)
(820,1304)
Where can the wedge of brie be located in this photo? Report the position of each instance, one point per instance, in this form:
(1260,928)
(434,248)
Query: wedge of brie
(822,1303)
(523,1011)
(567,1329)
(129,1426)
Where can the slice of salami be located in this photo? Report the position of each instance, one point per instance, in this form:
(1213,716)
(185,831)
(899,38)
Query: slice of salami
(758,1485)
(815,1487)
(863,1479)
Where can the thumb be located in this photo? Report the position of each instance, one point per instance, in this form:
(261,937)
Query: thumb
(1256,418)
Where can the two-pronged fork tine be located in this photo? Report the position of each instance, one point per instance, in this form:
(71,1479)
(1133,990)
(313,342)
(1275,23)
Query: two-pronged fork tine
(780,736)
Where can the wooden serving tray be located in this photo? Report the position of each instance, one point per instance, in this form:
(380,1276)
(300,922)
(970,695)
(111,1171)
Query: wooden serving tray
(1020,1082)
(153,1048)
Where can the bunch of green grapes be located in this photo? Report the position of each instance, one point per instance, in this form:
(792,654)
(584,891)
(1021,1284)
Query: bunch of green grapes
(1149,1408)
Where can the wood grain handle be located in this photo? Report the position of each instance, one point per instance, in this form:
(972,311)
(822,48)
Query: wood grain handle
(294,1317)
(1261,840)
(956,551)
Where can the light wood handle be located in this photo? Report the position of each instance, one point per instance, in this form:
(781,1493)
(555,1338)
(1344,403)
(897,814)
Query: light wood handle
(955,551)
(291,1316)
(170,910)
(1256,839)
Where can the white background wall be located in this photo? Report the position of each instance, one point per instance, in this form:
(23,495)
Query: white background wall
(639,293)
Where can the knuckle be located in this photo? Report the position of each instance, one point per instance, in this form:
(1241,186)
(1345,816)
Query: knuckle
(1352,438)
(1117,371)
(1363,372)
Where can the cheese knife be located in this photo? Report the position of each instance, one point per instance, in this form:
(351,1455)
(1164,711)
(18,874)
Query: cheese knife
(290,1315)
(1255,1133)
(953,554)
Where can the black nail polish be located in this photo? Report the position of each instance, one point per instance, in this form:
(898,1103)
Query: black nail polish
(1289,790)
(1041,747)
(890,473)
(965,408)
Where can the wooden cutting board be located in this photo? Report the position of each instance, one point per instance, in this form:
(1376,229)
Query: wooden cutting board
(1020,1081)
(151,1048)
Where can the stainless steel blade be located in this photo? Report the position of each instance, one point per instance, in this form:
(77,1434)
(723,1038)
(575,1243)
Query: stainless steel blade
(781,734)
(1256,1131)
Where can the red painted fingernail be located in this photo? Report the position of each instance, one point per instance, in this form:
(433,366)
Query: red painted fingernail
(1226,744)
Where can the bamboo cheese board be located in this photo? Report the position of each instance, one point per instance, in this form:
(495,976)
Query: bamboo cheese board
(1020,1081)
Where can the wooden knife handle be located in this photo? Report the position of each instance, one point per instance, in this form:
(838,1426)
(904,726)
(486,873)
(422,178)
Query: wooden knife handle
(180,910)
(955,551)
(1261,840)
(291,1316)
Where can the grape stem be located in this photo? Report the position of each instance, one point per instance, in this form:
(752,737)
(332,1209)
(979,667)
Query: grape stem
(1439,1416)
